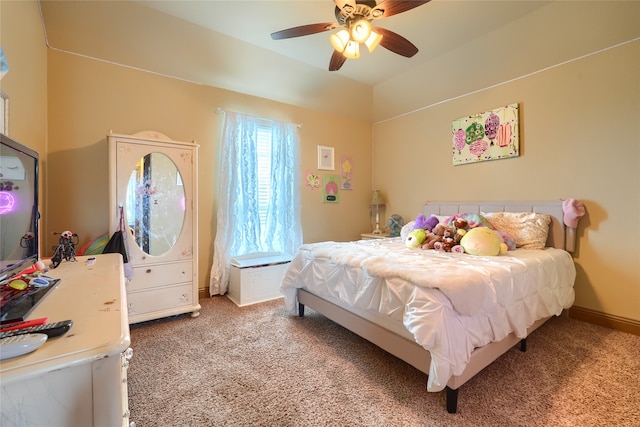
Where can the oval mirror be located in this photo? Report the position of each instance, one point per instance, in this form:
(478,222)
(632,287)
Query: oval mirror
(155,203)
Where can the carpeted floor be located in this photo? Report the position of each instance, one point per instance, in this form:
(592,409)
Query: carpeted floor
(259,366)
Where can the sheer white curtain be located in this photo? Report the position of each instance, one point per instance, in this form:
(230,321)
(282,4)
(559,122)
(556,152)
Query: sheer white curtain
(240,230)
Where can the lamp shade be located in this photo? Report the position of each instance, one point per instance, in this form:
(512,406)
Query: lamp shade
(373,41)
(352,50)
(360,30)
(376,198)
(339,40)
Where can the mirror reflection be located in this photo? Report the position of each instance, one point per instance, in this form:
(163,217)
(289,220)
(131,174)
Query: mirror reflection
(155,203)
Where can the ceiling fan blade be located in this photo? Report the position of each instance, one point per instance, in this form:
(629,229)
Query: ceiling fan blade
(337,59)
(396,43)
(304,30)
(393,7)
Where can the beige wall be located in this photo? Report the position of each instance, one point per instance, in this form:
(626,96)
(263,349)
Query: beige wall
(579,126)
(26,82)
(580,138)
(87,98)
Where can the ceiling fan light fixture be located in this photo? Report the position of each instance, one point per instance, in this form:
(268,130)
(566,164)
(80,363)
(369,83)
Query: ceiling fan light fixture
(354,17)
(339,40)
(377,13)
(352,50)
(360,30)
(373,41)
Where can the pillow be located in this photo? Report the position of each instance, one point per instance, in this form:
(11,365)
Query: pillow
(441,218)
(406,229)
(529,229)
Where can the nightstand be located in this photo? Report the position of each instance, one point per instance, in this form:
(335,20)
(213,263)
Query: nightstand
(368,236)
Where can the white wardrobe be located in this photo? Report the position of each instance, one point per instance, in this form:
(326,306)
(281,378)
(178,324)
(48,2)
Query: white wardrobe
(153,194)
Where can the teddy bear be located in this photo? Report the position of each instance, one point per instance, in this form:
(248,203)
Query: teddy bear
(445,238)
(436,236)
(461,226)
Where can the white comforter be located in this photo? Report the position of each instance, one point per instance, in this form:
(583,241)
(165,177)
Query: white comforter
(451,303)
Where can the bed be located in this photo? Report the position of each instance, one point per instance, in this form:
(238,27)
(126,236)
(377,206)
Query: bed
(448,314)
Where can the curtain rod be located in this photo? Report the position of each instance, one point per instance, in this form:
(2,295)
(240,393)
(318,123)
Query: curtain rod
(221,110)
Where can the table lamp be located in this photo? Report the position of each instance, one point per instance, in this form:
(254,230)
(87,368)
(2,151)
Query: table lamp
(377,205)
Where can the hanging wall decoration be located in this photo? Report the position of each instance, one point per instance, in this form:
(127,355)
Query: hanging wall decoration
(346,173)
(330,192)
(325,158)
(490,135)
(311,180)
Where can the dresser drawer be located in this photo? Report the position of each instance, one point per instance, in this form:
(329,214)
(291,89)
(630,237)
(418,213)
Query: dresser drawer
(162,299)
(151,276)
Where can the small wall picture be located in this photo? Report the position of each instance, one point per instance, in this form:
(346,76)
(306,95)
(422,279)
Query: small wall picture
(330,189)
(490,135)
(312,180)
(325,158)
(346,173)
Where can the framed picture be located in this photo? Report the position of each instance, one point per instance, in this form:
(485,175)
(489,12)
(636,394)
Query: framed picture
(325,158)
(4,113)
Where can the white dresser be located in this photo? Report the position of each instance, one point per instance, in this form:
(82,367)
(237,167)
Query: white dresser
(153,182)
(80,378)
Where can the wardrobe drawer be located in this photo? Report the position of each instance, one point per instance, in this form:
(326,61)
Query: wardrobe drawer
(151,276)
(168,299)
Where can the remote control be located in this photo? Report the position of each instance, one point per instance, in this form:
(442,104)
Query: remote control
(51,330)
(20,344)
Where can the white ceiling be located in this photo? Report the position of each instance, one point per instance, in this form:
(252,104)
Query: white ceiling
(435,28)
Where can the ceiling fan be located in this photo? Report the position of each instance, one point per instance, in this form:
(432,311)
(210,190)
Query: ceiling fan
(354,17)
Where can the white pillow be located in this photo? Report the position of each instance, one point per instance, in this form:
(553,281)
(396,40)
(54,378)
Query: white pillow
(529,229)
(406,229)
(442,218)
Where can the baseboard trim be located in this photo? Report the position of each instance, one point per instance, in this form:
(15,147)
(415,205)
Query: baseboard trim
(203,293)
(607,320)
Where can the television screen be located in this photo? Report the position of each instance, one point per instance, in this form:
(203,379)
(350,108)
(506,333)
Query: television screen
(19,240)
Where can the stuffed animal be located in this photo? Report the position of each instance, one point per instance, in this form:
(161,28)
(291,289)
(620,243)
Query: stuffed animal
(434,237)
(460,223)
(425,223)
(430,240)
(461,227)
(443,238)
(415,238)
(483,241)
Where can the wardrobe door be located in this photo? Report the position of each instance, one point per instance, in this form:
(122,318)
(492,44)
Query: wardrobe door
(153,188)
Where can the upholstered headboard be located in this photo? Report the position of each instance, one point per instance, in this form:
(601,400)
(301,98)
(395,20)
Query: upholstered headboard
(560,236)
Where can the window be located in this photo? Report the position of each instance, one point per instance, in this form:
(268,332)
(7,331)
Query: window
(258,192)
(264,170)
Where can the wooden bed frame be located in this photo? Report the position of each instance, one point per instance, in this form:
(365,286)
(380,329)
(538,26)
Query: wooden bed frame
(560,236)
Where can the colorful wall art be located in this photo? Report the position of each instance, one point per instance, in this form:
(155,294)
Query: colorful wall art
(330,189)
(490,135)
(346,173)
(311,180)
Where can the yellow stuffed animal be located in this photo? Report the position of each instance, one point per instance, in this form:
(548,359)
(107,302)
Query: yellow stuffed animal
(483,241)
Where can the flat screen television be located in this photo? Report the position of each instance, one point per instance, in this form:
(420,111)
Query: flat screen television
(19,216)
